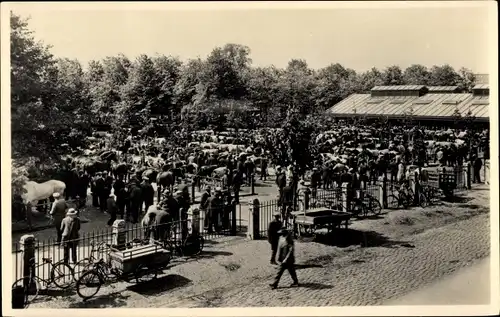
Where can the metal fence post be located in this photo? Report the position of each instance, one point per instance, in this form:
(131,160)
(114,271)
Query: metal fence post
(233,217)
(252,183)
(416,188)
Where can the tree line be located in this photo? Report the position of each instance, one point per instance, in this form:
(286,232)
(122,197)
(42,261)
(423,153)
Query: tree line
(55,101)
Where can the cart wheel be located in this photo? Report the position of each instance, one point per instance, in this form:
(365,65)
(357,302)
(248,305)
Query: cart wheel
(88,284)
(144,273)
(358,209)
(62,274)
(193,245)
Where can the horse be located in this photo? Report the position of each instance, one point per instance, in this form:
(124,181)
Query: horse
(165,179)
(41,191)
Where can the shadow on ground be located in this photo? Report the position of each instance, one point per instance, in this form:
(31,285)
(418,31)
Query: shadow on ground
(160,285)
(312,286)
(307,266)
(57,292)
(108,300)
(350,237)
(206,254)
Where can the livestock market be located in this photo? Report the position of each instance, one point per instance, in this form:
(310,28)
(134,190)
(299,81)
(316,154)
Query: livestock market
(148,189)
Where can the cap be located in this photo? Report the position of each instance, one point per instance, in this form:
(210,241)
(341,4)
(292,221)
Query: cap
(56,195)
(71,212)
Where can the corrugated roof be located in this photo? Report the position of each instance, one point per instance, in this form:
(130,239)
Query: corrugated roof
(398,88)
(429,105)
(442,88)
(482,86)
(477,109)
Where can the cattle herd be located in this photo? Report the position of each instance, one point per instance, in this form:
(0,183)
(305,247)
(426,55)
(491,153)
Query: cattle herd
(238,157)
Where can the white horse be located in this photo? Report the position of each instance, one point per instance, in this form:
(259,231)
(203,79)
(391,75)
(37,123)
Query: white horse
(41,191)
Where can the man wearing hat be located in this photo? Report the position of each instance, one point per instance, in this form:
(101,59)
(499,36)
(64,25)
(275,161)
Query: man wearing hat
(135,202)
(286,258)
(273,235)
(214,209)
(58,212)
(204,203)
(263,168)
(280,179)
(237,180)
(70,227)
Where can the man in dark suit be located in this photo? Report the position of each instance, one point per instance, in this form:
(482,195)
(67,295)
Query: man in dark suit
(121,195)
(286,258)
(112,209)
(215,207)
(273,235)
(148,193)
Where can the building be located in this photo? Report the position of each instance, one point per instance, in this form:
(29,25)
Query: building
(482,78)
(422,103)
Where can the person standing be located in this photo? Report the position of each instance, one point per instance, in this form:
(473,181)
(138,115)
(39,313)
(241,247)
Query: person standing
(70,227)
(58,213)
(286,258)
(112,208)
(148,193)
(478,164)
(121,195)
(204,204)
(135,201)
(273,236)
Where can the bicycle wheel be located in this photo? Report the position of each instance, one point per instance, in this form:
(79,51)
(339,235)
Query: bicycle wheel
(145,273)
(403,200)
(30,291)
(422,200)
(62,275)
(89,284)
(82,266)
(392,202)
(374,206)
(358,209)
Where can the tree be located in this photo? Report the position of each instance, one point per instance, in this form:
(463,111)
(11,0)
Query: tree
(393,76)
(370,79)
(467,79)
(334,83)
(416,75)
(46,97)
(443,76)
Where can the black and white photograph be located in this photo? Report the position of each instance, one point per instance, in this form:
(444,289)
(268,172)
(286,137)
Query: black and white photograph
(272,158)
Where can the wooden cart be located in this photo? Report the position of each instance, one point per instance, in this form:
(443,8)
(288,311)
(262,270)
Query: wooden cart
(317,218)
(139,261)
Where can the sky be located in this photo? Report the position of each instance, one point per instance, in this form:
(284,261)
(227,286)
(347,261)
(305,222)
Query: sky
(354,35)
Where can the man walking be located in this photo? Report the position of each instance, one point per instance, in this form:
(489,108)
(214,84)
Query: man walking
(273,236)
(70,227)
(286,258)
(58,213)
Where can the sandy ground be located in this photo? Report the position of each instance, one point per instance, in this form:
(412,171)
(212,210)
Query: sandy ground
(468,286)
(375,262)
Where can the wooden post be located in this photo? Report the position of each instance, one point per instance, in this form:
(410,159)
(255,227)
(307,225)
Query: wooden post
(253,220)
(119,234)
(27,243)
(345,197)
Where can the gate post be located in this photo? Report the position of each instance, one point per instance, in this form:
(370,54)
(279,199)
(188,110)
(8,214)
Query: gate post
(27,243)
(252,183)
(468,174)
(383,191)
(193,192)
(345,197)
(416,188)
(119,234)
(253,220)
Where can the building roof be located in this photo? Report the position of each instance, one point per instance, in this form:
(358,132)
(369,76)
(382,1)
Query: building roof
(399,87)
(431,105)
(481,86)
(442,88)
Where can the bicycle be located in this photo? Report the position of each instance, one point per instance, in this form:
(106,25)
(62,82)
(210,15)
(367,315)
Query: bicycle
(429,195)
(399,200)
(364,207)
(31,284)
(85,264)
(100,274)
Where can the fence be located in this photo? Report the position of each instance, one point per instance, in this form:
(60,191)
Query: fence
(228,218)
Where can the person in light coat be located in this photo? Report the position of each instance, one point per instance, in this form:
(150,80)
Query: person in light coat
(286,258)
(70,228)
